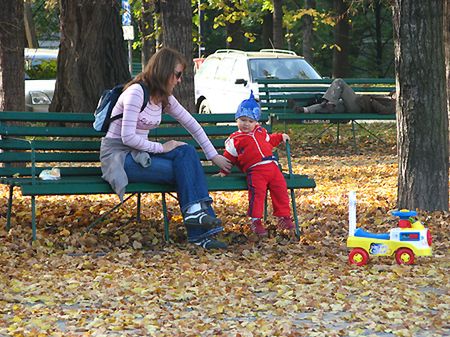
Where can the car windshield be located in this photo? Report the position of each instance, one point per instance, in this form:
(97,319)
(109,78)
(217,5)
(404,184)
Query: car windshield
(282,68)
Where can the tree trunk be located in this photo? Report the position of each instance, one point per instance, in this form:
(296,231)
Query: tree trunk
(422,120)
(92,54)
(278,40)
(447,51)
(147,28)
(341,39)
(267,30)
(177,33)
(12,73)
(307,27)
(234,29)
(30,31)
(379,42)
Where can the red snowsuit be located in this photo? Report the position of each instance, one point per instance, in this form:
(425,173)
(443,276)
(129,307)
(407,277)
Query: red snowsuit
(252,153)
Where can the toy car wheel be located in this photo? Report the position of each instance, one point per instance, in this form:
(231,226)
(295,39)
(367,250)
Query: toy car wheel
(358,256)
(404,256)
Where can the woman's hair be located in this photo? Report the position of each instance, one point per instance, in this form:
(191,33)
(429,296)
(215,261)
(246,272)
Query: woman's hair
(158,71)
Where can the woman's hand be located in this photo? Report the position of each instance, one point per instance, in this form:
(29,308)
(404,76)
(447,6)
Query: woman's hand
(286,137)
(171,144)
(222,162)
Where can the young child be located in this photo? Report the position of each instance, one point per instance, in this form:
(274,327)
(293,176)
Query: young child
(250,149)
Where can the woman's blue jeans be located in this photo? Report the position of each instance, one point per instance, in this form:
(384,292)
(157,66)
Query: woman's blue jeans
(180,167)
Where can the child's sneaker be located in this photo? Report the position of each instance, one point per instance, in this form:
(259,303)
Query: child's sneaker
(285,223)
(258,228)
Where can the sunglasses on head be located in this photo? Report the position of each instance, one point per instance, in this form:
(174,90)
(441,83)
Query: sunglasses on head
(178,74)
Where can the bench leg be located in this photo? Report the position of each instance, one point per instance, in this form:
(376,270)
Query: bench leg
(294,212)
(107,213)
(138,208)
(320,133)
(166,219)
(355,147)
(371,133)
(337,133)
(8,212)
(33,217)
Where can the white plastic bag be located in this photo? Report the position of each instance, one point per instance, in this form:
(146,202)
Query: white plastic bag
(53,174)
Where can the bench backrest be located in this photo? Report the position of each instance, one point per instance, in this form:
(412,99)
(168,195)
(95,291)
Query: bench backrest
(275,94)
(69,142)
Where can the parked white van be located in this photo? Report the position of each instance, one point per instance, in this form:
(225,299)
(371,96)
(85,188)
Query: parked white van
(226,77)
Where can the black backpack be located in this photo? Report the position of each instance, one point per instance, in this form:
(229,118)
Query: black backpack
(106,103)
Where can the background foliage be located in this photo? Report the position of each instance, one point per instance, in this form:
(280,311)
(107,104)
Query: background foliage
(42,71)
(215,15)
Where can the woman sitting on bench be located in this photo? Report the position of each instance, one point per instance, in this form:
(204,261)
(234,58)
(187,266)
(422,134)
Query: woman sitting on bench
(127,155)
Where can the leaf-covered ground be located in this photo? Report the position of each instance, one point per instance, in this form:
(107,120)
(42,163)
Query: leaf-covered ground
(122,279)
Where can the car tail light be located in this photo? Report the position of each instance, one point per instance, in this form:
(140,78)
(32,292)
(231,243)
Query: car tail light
(429,238)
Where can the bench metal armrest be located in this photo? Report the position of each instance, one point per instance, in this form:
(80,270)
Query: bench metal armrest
(289,160)
(32,156)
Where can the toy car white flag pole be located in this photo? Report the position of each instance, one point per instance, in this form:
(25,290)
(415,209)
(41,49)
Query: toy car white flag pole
(351,213)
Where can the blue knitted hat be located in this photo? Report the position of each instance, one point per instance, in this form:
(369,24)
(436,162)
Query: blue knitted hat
(249,108)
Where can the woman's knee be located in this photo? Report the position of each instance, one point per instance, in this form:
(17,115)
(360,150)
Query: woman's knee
(188,150)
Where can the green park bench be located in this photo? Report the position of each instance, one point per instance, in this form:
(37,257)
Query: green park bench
(32,142)
(136,68)
(277,96)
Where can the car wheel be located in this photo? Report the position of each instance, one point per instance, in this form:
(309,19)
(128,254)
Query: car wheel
(204,107)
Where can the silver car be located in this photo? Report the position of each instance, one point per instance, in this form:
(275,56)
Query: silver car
(226,77)
(40,78)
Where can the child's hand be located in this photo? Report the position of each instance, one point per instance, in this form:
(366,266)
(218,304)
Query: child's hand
(286,137)
(220,174)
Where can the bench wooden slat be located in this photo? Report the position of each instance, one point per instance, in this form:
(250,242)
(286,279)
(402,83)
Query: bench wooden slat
(361,81)
(83,185)
(54,144)
(61,157)
(18,175)
(314,117)
(46,117)
(21,172)
(277,92)
(80,145)
(88,117)
(89,132)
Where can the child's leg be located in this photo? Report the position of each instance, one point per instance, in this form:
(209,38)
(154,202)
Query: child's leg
(280,200)
(279,193)
(257,187)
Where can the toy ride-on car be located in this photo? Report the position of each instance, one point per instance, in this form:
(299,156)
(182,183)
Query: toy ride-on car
(406,241)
